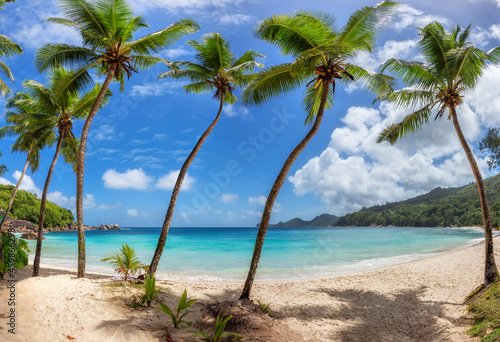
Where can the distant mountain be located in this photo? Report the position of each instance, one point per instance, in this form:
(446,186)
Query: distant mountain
(439,208)
(323,220)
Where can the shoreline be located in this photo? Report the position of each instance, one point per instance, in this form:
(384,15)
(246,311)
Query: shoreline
(182,279)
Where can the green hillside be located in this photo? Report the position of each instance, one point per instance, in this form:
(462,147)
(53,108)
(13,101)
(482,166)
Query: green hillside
(438,208)
(27,207)
(323,220)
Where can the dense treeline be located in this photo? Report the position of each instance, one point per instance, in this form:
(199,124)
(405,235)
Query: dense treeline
(438,208)
(27,207)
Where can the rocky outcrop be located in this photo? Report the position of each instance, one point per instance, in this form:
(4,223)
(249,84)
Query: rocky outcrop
(26,227)
(30,236)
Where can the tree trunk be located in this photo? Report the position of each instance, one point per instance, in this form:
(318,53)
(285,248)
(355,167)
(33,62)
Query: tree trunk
(175,192)
(36,262)
(81,168)
(11,202)
(490,269)
(266,215)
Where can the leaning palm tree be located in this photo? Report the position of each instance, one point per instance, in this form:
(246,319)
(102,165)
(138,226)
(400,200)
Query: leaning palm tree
(452,67)
(30,140)
(57,113)
(322,53)
(106,28)
(217,70)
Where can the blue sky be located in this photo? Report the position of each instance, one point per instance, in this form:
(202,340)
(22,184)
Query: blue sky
(141,138)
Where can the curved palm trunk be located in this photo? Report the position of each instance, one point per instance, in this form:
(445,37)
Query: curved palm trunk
(490,268)
(11,202)
(175,193)
(36,262)
(81,168)
(266,215)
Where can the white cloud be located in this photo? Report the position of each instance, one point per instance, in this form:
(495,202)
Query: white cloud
(104,132)
(110,206)
(167,182)
(174,54)
(258,200)
(481,37)
(70,202)
(236,110)
(234,19)
(485,100)
(27,184)
(227,198)
(5,181)
(354,171)
(188,6)
(157,89)
(133,212)
(409,16)
(131,179)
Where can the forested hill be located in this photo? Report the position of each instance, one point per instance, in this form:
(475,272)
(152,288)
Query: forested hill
(438,208)
(27,207)
(323,220)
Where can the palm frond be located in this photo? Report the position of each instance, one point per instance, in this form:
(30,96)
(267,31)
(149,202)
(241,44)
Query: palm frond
(312,101)
(372,81)
(213,52)
(271,82)
(4,69)
(81,109)
(465,65)
(412,72)
(69,150)
(410,124)
(198,87)
(8,47)
(408,97)
(433,44)
(51,56)
(493,55)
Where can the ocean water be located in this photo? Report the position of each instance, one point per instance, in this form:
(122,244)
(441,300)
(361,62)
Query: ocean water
(289,253)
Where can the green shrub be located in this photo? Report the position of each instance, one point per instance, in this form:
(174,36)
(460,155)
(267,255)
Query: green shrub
(177,318)
(3,270)
(219,333)
(18,247)
(150,291)
(125,262)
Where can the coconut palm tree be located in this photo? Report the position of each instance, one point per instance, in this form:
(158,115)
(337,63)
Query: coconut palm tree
(217,70)
(57,113)
(321,60)
(452,67)
(106,28)
(30,140)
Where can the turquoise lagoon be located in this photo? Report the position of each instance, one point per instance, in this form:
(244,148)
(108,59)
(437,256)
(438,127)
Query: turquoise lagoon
(289,253)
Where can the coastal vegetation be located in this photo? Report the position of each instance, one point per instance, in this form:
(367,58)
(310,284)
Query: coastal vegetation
(178,317)
(452,67)
(322,57)
(125,262)
(150,290)
(27,207)
(218,70)
(108,48)
(485,308)
(16,247)
(219,333)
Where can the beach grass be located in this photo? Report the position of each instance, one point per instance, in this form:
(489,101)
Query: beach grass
(485,307)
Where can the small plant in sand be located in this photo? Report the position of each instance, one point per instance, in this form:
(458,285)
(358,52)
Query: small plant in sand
(177,318)
(125,262)
(219,333)
(264,307)
(150,291)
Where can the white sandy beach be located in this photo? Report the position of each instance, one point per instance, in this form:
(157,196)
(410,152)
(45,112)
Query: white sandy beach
(417,301)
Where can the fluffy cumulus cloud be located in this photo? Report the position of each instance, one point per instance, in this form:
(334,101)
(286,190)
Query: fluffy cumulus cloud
(261,200)
(354,171)
(133,212)
(408,16)
(167,181)
(5,181)
(157,89)
(70,202)
(227,198)
(236,110)
(27,184)
(131,179)
(234,19)
(187,6)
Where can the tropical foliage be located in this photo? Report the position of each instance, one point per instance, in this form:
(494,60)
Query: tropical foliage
(178,317)
(7,49)
(491,144)
(18,248)
(437,86)
(219,333)
(125,262)
(27,207)
(321,59)
(217,70)
(150,290)
(106,28)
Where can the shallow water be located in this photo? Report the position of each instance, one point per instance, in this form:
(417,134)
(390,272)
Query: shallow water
(289,253)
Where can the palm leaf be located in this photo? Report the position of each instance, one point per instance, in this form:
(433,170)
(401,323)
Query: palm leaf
(410,124)
(374,82)
(51,56)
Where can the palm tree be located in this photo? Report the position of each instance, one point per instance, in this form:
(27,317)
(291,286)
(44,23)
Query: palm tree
(106,28)
(322,53)
(57,113)
(217,70)
(452,67)
(30,140)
